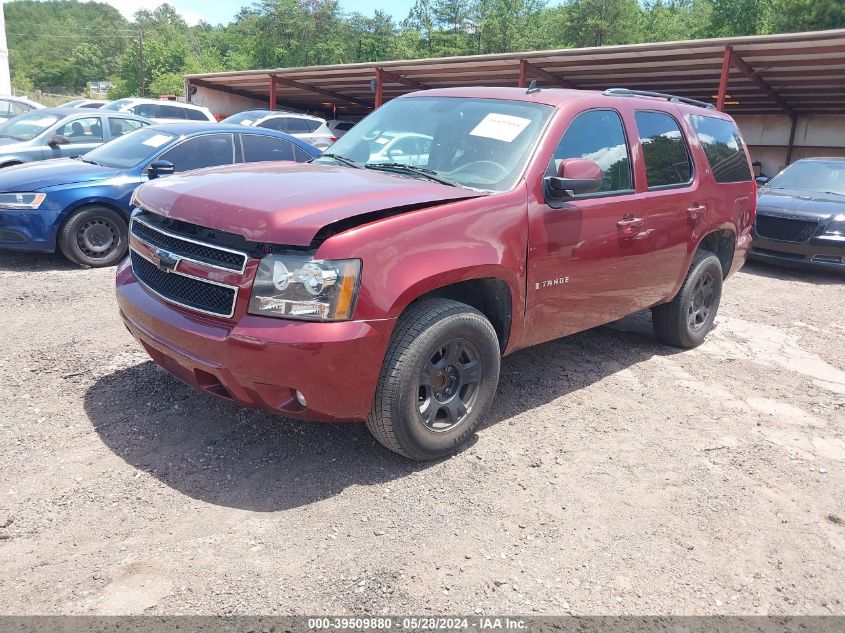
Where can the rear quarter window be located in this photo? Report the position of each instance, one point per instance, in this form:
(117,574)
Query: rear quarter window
(723,148)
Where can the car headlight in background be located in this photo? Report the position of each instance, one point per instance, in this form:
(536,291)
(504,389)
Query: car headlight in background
(21,200)
(294,285)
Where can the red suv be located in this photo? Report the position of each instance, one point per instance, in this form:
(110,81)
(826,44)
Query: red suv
(385,280)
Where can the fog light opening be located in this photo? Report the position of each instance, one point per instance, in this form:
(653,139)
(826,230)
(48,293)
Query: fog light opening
(301,398)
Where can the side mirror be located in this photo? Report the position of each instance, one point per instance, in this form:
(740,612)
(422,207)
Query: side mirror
(58,139)
(575,176)
(160,168)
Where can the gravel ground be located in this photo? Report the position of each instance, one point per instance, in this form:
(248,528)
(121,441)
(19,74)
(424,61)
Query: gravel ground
(615,475)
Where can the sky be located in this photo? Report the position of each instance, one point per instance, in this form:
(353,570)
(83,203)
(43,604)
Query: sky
(222,11)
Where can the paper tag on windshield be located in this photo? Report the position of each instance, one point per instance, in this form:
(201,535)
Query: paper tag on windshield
(157,141)
(382,140)
(246,122)
(501,127)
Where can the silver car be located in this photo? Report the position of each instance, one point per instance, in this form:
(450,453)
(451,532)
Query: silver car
(311,129)
(13,106)
(61,133)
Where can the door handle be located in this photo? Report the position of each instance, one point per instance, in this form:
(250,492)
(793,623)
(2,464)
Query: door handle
(628,225)
(696,211)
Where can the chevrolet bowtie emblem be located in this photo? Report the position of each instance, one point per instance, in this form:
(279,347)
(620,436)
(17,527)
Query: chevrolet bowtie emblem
(165,260)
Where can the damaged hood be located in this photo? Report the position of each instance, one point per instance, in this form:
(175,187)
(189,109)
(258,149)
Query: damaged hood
(287,203)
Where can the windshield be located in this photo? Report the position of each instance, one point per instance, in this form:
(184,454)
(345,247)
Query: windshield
(130,149)
(245,118)
(27,126)
(116,105)
(476,143)
(816,176)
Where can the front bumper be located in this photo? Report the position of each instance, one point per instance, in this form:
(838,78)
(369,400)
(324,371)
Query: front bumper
(261,361)
(817,252)
(28,230)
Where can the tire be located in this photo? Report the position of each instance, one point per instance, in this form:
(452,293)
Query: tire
(686,320)
(437,381)
(94,236)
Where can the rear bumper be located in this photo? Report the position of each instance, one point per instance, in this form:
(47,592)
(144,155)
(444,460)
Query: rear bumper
(818,252)
(259,361)
(28,230)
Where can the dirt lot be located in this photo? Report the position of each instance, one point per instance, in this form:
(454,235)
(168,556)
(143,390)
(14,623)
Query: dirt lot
(615,475)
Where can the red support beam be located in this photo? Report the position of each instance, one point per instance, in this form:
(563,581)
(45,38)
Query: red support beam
(399,79)
(379,86)
(743,67)
(526,68)
(523,74)
(723,79)
(272,92)
(791,145)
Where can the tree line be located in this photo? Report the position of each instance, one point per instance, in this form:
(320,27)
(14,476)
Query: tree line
(60,45)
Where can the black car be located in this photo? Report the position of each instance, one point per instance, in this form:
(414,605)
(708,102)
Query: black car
(801,215)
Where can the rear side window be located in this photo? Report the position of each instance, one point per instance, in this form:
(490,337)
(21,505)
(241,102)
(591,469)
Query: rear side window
(723,147)
(299,126)
(170,112)
(144,109)
(259,148)
(598,135)
(195,115)
(277,123)
(209,150)
(667,160)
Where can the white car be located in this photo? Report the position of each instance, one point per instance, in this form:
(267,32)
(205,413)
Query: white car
(91,104)
(311,129)
(161,110)
(13,106)
(409,148)
(339,128)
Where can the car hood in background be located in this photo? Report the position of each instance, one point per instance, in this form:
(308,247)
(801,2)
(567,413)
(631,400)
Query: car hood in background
(51,173)
(287,203)
(800,204)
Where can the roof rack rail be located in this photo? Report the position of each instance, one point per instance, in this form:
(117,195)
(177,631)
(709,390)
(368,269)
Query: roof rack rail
(626,92)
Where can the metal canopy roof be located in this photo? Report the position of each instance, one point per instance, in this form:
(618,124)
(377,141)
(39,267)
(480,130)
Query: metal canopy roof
(766,74)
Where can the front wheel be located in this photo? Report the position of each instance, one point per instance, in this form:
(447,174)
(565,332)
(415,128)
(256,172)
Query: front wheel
(438,379)
(95,237)
(686,320)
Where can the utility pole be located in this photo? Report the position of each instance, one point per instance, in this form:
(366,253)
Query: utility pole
(5,81)
(141,62)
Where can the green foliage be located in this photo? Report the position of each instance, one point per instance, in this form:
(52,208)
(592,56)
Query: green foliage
(59,45)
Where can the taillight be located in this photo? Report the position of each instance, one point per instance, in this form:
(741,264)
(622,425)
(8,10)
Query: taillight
(332,138)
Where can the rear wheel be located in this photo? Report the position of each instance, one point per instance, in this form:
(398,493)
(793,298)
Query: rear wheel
(686,320)
(438,379)
(94,236)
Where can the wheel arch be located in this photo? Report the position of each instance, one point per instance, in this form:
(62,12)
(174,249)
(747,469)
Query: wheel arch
(721,241)
(487,292)
(81,205)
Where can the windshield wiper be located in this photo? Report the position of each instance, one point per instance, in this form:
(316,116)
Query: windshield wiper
(411,169)
(341,159)
(87,160)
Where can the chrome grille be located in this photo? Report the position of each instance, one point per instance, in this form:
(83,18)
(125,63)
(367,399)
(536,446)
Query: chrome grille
(785,229)
(187,248)
(190,292)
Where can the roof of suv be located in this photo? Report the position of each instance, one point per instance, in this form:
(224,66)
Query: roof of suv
(266,113)
(548,96)
(179,104)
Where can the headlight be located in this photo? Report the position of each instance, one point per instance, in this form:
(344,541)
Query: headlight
(836,227)
(21,200)
(294,285)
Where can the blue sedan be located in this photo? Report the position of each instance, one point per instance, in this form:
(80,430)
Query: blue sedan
(80,206)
